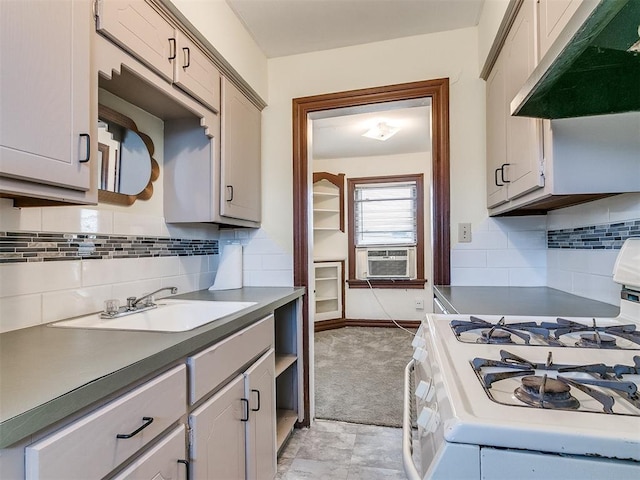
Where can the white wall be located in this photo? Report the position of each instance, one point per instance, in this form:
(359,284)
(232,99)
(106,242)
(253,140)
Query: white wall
(490,19)
(450,54)
(217,22)
(361,303)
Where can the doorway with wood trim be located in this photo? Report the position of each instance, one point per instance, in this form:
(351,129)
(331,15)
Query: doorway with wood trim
(438,91)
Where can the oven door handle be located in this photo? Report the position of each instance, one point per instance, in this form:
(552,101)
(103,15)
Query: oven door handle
(407,433)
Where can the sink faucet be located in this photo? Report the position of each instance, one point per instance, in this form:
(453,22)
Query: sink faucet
(132,302)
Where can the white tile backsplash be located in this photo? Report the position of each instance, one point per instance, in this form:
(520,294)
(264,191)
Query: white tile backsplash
(77,220)
(503,252)
(587,272)
(20,311)
(37,277)
(69,303)
(13,219)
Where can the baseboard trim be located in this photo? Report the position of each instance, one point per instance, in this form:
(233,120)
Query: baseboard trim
(347,322)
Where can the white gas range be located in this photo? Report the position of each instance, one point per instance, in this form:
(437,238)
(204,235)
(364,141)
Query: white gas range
(528,397)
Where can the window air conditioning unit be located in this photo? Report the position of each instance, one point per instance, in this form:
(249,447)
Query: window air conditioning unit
(395,263)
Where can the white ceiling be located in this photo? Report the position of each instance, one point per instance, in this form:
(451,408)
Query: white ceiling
(288,27)
(338,133)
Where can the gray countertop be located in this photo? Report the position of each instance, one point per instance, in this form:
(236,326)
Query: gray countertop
(520,301)
(48,374)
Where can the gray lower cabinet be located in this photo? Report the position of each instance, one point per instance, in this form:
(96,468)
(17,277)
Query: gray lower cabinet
(233,433)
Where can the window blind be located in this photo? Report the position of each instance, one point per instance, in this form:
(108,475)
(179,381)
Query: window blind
(385,214)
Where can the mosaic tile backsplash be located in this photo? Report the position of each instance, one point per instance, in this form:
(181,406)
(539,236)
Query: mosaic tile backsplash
(18,247)
(594,237)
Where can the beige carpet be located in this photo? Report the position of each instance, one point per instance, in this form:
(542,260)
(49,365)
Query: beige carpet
(359,374)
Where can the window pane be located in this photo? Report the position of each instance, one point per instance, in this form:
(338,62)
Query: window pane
(385,214)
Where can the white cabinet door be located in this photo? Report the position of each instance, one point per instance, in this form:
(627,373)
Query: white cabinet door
(496,134)
(165,461)
(218,435)
(553,15)
(261,427)
(45,116)
(240,156)
(194,73)
(139,28)
(523,134)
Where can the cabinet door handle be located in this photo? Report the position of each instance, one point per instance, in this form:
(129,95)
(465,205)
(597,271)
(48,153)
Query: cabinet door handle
(148,421)
(495,177)
(502,173)
(187,57)
(245,404)
(87,155)
(230,192)
(186,466)
(172,48)
(258,408)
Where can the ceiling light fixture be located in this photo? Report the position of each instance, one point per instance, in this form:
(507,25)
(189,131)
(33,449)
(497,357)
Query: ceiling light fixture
(381,131)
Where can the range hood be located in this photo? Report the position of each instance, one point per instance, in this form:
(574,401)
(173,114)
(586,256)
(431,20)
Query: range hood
(593,68)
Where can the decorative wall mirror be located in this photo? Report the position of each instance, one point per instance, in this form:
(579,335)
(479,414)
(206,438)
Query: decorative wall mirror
(125,158)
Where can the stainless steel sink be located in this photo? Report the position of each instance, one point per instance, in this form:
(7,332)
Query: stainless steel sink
(169,316)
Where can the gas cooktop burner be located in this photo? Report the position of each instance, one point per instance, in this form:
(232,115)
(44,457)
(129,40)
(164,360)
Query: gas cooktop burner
(544,392)
(561,333)
(495,336)
(595,340)
(513,380)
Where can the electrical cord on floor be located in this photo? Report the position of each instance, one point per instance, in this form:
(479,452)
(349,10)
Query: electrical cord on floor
(385,311)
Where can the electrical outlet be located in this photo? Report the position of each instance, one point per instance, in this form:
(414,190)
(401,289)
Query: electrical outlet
(464,232)
(419,304)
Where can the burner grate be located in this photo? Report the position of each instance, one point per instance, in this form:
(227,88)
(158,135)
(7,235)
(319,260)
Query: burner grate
(561,333)
(514,380)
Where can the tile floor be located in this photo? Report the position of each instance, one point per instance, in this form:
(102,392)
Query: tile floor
(342,451)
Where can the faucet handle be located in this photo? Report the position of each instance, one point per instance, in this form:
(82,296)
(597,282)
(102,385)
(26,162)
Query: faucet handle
(130,302)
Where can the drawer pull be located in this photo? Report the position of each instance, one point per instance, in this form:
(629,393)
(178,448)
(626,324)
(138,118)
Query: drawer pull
(245,404)
(172,48)
(186,466)
(148,421)
(258,408)
(87,155)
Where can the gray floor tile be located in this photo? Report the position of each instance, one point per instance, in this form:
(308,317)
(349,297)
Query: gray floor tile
(342,451)
(294,442)
(377,451)
(371,473)
(316,470)
(327,446)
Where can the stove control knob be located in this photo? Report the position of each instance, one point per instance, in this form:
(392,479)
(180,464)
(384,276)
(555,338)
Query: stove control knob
(425,391)
(429,420)
(418,342)
(420,355)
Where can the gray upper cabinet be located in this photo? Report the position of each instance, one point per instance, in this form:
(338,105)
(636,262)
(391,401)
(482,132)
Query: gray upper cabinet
(513,143)
(46,126)
(141,29)
(240,156)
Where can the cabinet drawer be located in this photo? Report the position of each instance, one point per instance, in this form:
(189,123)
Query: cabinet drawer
(89,448)
(161,461)
(211,367)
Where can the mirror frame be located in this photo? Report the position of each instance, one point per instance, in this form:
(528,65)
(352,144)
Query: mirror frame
(111,116)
